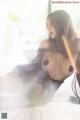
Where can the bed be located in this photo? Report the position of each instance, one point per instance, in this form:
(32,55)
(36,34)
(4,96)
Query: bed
(13,102)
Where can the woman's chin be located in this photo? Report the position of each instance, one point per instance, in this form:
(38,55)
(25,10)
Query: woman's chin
(52,36)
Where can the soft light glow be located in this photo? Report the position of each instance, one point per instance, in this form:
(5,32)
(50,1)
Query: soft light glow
(69,51)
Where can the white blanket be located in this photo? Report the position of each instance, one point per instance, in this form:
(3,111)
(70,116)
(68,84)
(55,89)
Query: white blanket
(13,101)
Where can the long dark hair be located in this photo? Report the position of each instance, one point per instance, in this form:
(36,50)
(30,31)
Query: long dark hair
(62,22)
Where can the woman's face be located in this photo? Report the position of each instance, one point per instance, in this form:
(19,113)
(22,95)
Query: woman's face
(51,29)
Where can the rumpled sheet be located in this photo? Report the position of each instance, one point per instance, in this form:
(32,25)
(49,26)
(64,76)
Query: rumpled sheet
(13,101)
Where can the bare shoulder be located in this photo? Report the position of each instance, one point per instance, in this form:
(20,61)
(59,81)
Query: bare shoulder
(44,44)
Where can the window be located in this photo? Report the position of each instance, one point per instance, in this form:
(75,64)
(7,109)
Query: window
(22,27)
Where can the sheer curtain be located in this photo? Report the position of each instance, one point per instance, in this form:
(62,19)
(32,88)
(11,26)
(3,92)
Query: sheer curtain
(22,27)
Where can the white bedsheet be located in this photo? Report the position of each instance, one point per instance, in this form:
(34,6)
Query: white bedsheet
(13,101)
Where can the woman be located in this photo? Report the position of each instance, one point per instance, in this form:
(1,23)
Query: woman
(59,23)
(52,65)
